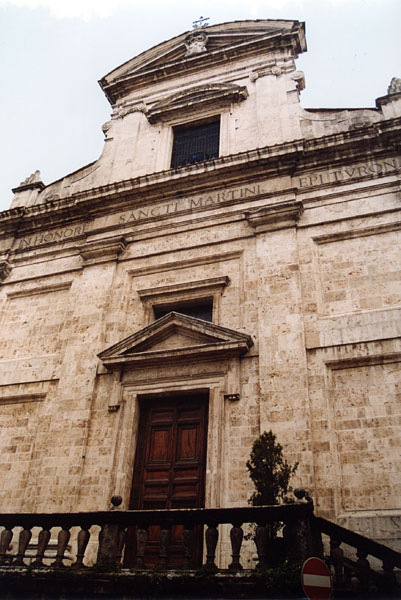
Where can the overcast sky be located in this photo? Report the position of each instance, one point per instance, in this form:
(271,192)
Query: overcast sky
(53,52)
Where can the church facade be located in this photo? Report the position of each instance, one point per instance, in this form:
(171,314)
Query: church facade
(229,265)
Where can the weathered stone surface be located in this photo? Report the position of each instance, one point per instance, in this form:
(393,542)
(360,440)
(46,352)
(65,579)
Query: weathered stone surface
(292,234)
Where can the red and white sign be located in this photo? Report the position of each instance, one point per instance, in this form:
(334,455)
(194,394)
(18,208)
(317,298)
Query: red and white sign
(316,579)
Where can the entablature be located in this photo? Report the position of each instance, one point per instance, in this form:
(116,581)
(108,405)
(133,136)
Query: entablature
(288,159)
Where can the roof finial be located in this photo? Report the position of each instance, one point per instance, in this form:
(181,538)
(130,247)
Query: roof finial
(201,22)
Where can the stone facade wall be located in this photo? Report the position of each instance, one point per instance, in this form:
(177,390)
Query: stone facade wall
(300,254)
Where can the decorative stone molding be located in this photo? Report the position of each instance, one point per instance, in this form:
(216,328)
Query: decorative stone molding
(27,192)
(103,250)
(299,78)
(22,398)
(196,99)
(199,287)
(127,108)
(105,128)
(31,182)
(276,71)
(395,86)
(195,42)
(5,269)
(51,198)
(276,216)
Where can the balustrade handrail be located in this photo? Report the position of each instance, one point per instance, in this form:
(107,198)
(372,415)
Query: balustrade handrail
(358,541)
(183,516)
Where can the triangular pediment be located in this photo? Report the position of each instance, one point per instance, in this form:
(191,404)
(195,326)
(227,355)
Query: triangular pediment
(176,336)
(173,55)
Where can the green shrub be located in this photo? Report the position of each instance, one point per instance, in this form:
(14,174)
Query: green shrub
(269,471)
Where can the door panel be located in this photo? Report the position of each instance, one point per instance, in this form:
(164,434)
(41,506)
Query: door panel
(169,469)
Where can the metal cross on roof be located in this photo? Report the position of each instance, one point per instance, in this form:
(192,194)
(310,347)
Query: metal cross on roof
(200,22)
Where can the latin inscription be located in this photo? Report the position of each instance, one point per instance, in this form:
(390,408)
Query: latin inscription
(58,235)
(152,212)
(192,203)
(342,174)
(346,173)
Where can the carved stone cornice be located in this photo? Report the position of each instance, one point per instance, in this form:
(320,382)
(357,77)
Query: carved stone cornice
(285,158)
(275,216)
(195,100)
(36,185)
(102,250)
(176,290)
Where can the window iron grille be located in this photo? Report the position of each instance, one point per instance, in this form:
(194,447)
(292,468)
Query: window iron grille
(195,144)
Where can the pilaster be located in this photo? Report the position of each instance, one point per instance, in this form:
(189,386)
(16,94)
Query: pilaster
(284,406)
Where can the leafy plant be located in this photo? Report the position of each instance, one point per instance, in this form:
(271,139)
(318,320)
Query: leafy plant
(269,471)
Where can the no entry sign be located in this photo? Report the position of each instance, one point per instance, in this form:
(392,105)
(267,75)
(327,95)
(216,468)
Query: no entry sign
(316,579)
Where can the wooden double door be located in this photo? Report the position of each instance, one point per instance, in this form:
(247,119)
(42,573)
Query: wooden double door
(169,471)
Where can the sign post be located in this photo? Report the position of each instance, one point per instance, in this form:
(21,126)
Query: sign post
(316,579)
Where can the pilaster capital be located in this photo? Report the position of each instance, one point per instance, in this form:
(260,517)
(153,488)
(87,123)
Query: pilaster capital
(102,250)
(280,215)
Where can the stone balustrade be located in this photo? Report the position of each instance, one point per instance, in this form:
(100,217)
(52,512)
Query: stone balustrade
(106,533)
(352,569)
(112,527)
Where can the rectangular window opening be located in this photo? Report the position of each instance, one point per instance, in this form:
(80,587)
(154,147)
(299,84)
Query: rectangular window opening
(195,143)
(200,309)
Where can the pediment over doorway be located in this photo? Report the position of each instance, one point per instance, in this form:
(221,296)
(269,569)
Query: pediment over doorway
(176,337)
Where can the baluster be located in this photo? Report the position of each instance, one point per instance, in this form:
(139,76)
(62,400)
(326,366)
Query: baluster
(337,560)
(82,542)
(43,540)
(62,540)
(121,544)
(261,540)
(163,543)
(188,541)
(211,535)
(317,543)
(23,541)
(236,536)
(5,540)
(107,553)
(141,541)
(362,569)
(389,576)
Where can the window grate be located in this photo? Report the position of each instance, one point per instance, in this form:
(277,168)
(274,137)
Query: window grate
(195,144)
